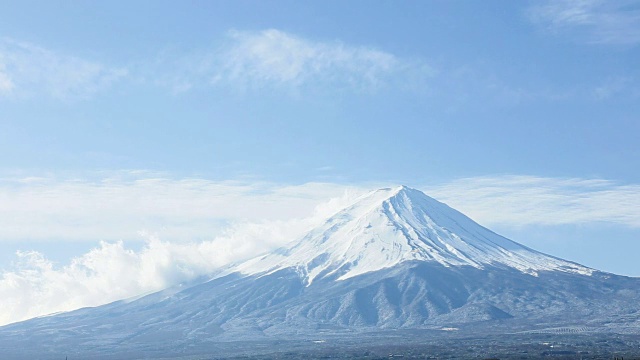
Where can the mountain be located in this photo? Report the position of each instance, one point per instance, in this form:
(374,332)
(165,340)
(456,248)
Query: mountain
(394,259)
(390,226)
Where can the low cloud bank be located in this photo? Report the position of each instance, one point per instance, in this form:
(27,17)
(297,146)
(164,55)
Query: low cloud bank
(35,286)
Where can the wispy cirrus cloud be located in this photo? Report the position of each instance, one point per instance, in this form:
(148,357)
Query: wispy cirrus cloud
(30,70)
(617,87)
(604,22)
(276,59)
(6,85)
(127,203)
(529,200)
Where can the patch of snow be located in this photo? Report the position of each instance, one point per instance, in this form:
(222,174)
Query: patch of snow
(449,329)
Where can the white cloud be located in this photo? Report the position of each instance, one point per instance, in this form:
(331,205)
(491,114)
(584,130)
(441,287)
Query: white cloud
(616,88)
(110,272)
(6,85)
(27,70)
(35,286)
(529,200)
(607,22)
(274,59)
(120,207)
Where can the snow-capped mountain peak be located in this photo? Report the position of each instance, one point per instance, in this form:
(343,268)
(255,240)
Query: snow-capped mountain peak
(392,225)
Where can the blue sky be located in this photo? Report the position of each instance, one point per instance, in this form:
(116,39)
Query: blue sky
(388,90)
(147,119)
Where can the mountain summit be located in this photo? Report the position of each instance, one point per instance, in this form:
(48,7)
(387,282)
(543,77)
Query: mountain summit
(394,259)
(392,225)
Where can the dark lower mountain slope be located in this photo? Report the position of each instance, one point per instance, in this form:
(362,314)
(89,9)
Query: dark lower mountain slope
(280,306)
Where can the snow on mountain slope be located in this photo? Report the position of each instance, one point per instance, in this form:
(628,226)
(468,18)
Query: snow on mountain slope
(389,226)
